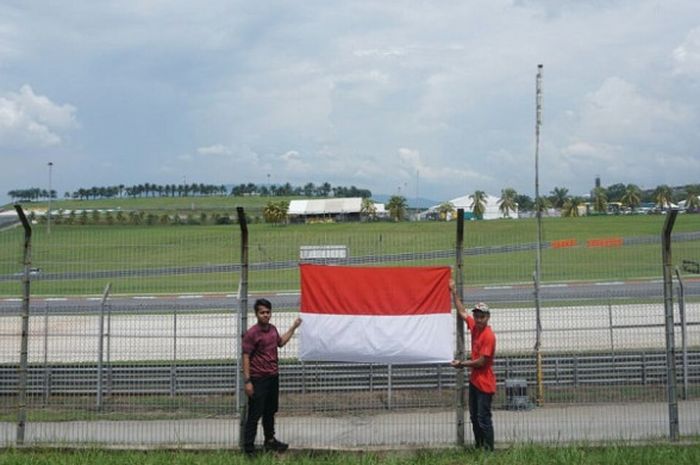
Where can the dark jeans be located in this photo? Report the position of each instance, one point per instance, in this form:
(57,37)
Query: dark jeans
(480,415)
(263,404)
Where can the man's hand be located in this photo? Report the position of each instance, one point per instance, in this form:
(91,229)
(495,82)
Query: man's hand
(297,323)
(249,390)
(456,363)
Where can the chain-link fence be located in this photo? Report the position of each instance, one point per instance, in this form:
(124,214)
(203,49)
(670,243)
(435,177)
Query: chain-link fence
(133,333)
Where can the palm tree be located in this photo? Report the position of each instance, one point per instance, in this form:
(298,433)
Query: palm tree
(368,210)
(276,212)
(542,204)
(507,203)
(632,196)
(571,206)
(662,196)
(692,201)
(559,195)
(478,205)
(397,207)
(600,200)
(446,210)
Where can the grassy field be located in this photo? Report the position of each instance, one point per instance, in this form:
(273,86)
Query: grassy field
(76,251)
(656,454)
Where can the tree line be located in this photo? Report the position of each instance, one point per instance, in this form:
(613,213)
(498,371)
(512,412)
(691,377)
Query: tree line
(623,197)
(191,190)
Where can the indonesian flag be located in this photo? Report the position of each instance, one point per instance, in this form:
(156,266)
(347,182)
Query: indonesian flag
(375,314)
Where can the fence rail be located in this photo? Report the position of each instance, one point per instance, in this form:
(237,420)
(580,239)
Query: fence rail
(634,368)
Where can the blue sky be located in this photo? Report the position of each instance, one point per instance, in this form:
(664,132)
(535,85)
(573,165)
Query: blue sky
(434,97)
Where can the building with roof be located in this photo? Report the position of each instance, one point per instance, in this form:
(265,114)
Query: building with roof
(333,209)
(491,210)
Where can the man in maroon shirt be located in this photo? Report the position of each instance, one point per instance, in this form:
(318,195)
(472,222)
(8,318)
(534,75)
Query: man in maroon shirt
(260,373)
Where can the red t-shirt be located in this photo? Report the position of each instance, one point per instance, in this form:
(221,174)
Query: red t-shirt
(483,343)
(261,343)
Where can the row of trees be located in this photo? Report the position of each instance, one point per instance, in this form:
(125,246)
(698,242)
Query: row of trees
(33,193)
(628,196)
(134,218)
(308,190)
(192,190)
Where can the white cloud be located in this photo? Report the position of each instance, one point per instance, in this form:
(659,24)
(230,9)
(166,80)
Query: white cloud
(294,162)
(412,163)
(686,57)
(365,93)
(217,149)
(618,112)
(29,120)
(381,53)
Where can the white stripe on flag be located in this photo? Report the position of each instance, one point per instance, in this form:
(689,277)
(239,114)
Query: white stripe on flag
(377,339)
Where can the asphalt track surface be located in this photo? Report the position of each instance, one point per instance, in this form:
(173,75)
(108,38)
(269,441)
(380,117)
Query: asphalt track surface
(643,289)
(550,425)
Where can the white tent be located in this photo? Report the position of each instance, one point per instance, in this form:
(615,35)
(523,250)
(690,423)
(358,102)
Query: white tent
(325,206)
(491,212)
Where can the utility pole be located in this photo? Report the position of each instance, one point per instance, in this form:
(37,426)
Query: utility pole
(538,261)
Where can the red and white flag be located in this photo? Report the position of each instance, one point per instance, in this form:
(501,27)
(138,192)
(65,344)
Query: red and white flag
(376,314)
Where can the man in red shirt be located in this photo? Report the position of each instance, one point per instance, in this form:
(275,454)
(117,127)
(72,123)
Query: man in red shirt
(260,373)
(482,380)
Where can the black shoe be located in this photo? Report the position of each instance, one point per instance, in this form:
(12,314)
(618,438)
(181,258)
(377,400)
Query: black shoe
(273,445)
(250,452)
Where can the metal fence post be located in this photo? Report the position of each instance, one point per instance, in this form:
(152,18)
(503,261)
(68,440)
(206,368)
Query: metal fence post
(612,331)
(100,345)
(242,325)
(47,372)
(669,325)
(460,388)
(108,335)
(389,392)
(173,362)
(684,333)
(24,341)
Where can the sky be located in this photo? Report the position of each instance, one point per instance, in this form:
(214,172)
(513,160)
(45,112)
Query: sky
(434,99)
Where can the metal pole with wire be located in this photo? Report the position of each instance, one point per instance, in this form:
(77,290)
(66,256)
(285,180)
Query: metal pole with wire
(539,205)
(671,392)
(242,400)
(460,381)
(23,373)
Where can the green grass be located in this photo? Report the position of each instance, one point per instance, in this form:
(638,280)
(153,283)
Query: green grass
(85,249)
(655,454)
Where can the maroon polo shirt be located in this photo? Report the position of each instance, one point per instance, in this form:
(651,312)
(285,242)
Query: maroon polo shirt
(261,343)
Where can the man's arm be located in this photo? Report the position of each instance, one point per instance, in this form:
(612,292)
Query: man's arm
(458,302)
(478,363)
(248,385)
(284,339)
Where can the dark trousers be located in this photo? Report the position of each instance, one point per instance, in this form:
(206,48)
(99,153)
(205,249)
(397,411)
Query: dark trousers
(263,404)
(480,415)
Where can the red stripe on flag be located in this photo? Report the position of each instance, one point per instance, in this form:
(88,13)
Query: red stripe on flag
(343,290)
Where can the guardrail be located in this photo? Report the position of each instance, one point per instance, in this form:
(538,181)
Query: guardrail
(634,368)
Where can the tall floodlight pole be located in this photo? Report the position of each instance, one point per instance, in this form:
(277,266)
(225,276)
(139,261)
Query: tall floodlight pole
(48,213)
(538,261)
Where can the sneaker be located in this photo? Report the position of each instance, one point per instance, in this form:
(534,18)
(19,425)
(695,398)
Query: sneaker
(273,445)
(250,452)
